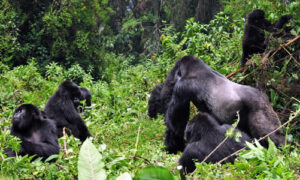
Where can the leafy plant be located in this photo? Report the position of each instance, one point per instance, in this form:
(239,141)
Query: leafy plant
(90,165)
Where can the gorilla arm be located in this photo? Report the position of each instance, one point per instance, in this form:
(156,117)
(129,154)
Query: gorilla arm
(78,127)
(176,119)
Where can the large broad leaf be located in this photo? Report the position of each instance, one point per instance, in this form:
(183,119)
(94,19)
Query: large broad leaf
(90,165)
(154,173)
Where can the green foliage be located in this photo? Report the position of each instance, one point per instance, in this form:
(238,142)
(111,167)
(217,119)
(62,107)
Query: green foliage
(153,172)
(63,31)
(273,9)
(9,33)
(269,164)
(90,165)
(210,42)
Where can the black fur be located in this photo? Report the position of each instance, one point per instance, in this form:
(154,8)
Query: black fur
(203,134)
(213,93)
(254,36)
(37,133)
(154,103)
(61,108)
(282,21)
(279,24)
(161,95)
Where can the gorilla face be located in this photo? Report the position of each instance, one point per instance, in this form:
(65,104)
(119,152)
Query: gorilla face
(24,116)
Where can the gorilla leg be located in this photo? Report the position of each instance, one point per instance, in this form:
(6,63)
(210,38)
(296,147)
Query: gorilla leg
(260,125)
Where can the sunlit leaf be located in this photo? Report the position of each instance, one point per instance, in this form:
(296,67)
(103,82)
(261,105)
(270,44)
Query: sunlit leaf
(90,165)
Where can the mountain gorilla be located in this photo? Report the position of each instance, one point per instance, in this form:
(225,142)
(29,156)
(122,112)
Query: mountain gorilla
(213,93)
(154,103)
(85,95)
(203,134)
(254,36)
(37,133)
(61,108)
(161,95)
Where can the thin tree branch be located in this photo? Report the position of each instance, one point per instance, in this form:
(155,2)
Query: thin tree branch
(291,56)
(65,143)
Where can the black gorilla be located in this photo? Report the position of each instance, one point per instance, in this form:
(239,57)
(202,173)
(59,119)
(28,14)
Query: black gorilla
(85,95)
(161,95)
(254,35)
(203,134)
(61,108)
(154,103)
(213,93)
(37,133)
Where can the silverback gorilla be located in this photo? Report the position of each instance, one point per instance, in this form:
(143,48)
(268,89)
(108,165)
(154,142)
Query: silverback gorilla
(60,107)
(37,133)
(213,93)
(203,134)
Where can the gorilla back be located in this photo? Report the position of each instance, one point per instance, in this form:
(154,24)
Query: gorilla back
(204,134)
(61,108)
(213,93)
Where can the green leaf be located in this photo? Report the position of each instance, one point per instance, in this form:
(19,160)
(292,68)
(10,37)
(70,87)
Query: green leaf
(90,165)
(154,173)
(272,150)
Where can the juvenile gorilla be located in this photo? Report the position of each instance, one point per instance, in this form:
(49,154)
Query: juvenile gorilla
(37,133)
(203,134)
(61,108)
(154,103)
(254,36)
(161,95)
(85,95)
(213,93)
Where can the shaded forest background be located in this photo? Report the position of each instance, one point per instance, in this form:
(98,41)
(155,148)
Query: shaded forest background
(84,32)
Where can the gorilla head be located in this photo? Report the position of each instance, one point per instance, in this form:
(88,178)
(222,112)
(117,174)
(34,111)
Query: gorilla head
(213,93)
(24,116)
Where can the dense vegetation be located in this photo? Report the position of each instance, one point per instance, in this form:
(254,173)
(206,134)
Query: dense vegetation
(43,44)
